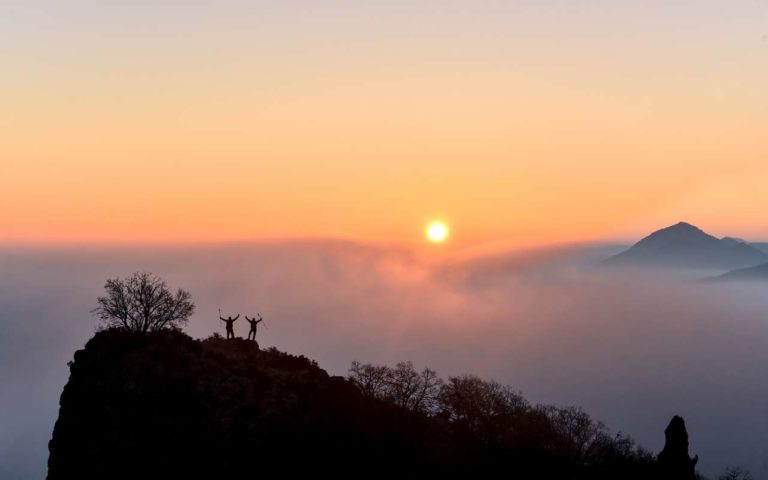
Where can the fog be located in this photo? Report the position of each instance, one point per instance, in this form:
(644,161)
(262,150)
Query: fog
(632,348)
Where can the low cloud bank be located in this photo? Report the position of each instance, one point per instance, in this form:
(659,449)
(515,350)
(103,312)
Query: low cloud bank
(632,348)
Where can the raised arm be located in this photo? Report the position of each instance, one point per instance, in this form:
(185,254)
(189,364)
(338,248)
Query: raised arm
(238,316)
(249,319)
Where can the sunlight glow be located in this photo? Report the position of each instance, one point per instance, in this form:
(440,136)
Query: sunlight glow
(437,232)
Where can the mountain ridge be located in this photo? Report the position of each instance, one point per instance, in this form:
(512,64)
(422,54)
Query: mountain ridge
(688,246)
(758,273)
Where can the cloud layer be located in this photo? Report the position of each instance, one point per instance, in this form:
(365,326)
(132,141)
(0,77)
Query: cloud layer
(632,348)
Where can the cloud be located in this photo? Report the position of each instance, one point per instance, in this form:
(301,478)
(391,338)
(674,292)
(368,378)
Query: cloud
(631,348)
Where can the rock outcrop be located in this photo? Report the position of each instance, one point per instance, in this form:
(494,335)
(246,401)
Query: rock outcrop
(674,462)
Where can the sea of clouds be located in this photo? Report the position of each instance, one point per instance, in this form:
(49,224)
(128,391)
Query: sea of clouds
(633,348)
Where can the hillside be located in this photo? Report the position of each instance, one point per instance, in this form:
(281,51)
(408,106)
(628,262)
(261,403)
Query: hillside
(166,406)
(685,245)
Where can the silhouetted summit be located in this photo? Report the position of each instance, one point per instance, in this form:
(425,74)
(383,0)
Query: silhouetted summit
(165,406)
(685,245)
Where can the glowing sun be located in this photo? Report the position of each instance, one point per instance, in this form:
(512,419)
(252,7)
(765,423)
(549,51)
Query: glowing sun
(437,232)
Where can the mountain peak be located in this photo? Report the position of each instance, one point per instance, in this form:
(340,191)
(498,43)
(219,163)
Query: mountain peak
(679,232)
(686,245)
(685,225)
(682,227)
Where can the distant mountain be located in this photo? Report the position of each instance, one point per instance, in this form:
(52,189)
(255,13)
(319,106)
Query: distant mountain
(758,273)
(684,245)
(762,246)
(732,241)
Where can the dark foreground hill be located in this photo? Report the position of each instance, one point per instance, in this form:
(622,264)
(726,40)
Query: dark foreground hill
(684,245)
(166,406)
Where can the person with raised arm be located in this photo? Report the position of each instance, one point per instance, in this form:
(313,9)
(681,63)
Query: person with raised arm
(230,324)
(254,322)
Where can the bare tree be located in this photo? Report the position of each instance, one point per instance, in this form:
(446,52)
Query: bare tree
(484,407)
(426,398)
(735,473)
(143,303)
(577,433)
(371,380)
(413,390)
(402,385)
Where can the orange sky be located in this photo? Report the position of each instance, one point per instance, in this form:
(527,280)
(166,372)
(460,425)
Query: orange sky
(534,124)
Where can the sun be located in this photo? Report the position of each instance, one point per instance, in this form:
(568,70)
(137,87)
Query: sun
(437,232)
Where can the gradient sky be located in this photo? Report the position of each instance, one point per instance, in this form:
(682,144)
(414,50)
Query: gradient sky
(514,121)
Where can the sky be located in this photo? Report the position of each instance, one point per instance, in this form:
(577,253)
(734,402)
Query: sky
(522,122)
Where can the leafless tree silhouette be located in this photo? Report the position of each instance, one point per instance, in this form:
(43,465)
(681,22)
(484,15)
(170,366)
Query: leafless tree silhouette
(143,303)
(403,385)
(371,380)
(735,473)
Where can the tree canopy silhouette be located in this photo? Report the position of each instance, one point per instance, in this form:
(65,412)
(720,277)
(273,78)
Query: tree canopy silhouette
(143,303)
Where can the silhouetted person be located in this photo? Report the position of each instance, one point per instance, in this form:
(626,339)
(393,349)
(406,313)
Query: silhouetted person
(254,322)
(230,322)
(673,462)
